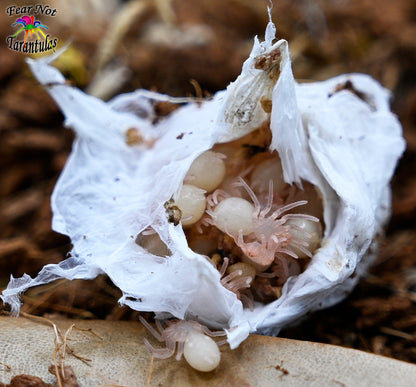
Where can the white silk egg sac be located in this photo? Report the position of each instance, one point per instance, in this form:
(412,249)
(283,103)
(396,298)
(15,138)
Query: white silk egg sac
(225,181)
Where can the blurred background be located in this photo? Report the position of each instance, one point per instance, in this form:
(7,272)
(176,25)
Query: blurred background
(188,48)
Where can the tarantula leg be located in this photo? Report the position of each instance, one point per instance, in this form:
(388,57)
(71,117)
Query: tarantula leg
(153,331)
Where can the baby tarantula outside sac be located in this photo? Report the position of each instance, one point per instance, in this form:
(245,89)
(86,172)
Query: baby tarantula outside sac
(188,338)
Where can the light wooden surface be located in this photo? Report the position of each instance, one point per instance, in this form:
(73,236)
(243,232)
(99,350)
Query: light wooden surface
(119,358)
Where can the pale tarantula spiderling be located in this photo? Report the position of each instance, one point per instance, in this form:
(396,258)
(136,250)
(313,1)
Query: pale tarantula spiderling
(200,351)
(268,231)
(240,276)
(273,231)
(238,280)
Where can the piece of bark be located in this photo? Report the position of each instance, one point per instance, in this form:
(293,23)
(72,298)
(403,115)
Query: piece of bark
(27,381)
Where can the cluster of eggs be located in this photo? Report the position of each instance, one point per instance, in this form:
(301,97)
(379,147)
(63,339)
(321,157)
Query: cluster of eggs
(237,210)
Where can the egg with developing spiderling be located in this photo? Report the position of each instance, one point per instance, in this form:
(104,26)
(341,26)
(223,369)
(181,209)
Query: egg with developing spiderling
(242,213)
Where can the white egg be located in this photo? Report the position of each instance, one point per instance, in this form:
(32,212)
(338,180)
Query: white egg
(207,171)
(201,352)
(234,214)
(192,203)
